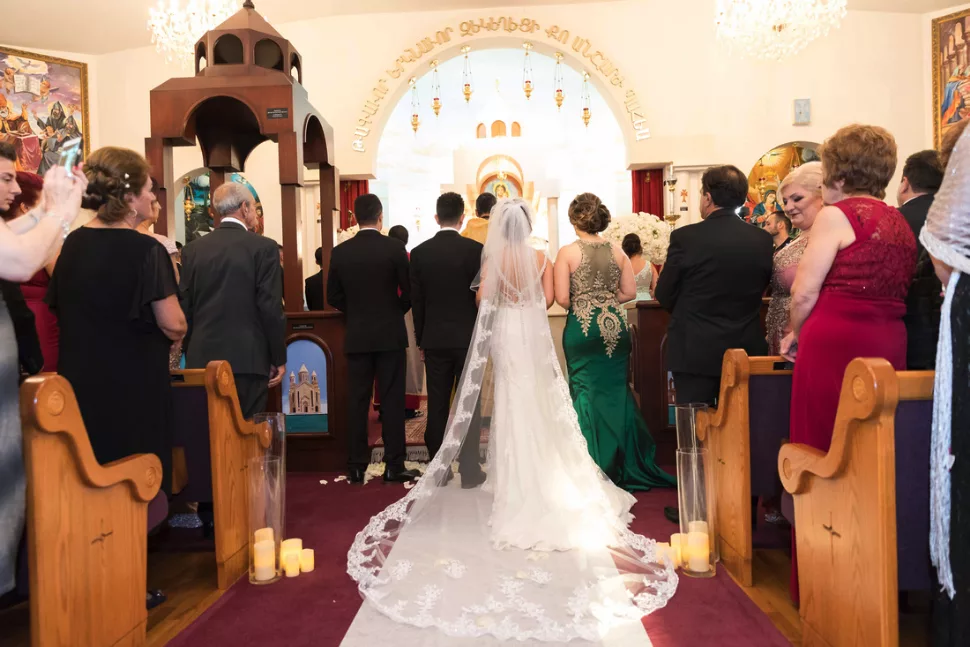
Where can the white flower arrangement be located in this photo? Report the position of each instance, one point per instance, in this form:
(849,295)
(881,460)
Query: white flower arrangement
(654,234)
(344,235)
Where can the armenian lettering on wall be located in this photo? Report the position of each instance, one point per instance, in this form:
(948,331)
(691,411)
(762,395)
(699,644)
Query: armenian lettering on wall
(582,47)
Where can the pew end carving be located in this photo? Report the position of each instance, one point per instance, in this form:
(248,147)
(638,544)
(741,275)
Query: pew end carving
(87,528)
(727,433)
(846,510)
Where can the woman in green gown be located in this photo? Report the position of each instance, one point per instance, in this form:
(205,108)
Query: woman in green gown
(592,278)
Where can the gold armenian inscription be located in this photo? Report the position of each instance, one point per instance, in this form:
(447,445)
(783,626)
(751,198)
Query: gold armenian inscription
(470,28)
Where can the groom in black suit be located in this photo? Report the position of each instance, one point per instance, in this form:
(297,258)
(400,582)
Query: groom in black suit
(442,272)
(369,283)
(712,284)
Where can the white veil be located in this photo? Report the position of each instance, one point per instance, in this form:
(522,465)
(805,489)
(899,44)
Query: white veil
(946,236)
(542,551)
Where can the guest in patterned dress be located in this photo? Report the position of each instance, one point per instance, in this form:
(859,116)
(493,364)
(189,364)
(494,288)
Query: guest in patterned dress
(801,194)
(848,298)
(592,278)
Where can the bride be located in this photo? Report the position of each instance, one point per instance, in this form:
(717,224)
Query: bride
(541,551)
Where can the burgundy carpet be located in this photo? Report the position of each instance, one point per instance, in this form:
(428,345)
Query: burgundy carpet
(316,609)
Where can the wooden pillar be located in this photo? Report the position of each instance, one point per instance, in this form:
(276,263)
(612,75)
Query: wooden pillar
(329,201)
(292,210)
(159,156)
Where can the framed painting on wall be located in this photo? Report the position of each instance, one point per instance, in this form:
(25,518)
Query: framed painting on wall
(951,73)
(767,174)
(43,103)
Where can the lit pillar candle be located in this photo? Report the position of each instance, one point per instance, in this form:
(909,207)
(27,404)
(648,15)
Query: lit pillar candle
(698,526)
(698,552)
(288,546)
(678,543)
(666,550)
(292,564)
(264,560)
(306,560)
(264,534)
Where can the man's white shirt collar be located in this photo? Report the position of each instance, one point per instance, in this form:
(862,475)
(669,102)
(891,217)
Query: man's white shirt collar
(236,221)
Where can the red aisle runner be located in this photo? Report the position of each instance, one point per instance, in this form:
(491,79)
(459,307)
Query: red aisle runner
(316,609)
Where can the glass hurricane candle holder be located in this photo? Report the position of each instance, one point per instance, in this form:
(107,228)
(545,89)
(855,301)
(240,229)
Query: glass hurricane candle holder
(695,497)
(265,518)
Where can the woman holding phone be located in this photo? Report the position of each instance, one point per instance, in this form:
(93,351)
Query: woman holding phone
(26,243)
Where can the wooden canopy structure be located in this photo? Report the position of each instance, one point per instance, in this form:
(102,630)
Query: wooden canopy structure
(247,90)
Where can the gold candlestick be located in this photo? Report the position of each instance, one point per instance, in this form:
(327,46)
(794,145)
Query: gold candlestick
(672,216)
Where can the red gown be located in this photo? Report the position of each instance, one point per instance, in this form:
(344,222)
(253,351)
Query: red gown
(45,320)
(859,313)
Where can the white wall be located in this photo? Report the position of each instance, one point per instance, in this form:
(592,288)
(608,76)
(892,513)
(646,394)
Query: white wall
(702,105)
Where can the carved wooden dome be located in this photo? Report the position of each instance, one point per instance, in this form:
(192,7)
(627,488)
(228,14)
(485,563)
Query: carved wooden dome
(246,45)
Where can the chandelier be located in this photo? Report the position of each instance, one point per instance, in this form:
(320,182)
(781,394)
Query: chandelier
(175,29)
(775,29)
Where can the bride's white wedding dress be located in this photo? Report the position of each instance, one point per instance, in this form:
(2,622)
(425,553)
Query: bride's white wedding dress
(542,551)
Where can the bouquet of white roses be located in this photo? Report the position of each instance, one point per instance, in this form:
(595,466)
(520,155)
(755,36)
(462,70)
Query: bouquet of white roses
(653,232)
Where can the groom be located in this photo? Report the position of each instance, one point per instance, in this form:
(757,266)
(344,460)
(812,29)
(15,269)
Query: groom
(443,304)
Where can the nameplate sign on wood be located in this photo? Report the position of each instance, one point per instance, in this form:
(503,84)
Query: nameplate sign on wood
(277,113)
(306,326)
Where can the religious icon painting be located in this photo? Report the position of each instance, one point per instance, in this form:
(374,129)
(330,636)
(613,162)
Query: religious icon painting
(43,104)
(767,175)
(305,388)
(951,73)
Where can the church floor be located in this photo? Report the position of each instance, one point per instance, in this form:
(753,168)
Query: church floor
(188,578)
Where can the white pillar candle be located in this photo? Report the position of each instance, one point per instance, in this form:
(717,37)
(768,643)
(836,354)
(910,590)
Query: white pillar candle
(288,546)
(264,534)
(264,560)
(698,552)
(292,564)
(306,560)
(698,526)
(678,543)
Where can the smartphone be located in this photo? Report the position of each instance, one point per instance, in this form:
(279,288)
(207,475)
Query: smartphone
(69,153)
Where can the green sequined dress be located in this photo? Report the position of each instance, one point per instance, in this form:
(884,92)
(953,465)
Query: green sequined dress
(597,346)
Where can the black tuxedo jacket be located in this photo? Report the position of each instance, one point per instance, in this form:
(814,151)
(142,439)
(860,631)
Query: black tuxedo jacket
(232,296)
(442,272)
(924,301)
(712,283)
(314,291)
(366,274)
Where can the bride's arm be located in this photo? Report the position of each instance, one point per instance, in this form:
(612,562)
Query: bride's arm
(561,277)
(547,279)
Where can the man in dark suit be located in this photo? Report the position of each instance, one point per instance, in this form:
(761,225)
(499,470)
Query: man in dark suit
(314,284)
(922,177)
(369,283)
(231,293)
(442,272)
(712,284)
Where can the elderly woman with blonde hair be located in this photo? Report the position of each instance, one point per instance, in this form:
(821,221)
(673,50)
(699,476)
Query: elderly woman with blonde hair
(801,197)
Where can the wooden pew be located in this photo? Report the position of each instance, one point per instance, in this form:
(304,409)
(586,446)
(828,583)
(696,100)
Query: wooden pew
(848,507)
(743,436)
(218,443)
(87,527)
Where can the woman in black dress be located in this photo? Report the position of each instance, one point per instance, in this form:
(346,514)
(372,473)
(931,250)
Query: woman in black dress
(946,237)
(117,301)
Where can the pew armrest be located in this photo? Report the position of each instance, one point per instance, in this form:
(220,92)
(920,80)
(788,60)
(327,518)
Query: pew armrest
(870,390)
(48,406)
(219,380)
(736,370)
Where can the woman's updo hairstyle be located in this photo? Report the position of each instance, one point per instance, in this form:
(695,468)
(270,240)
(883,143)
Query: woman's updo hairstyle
(588,213)
(631,245)
(113,174)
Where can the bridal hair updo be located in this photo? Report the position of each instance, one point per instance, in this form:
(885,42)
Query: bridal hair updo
(513,217)
(588,213)
(114,174)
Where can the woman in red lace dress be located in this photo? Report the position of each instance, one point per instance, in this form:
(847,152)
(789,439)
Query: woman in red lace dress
(849,290)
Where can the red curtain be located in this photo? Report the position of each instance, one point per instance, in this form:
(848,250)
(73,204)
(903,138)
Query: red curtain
(648,192)
(350,190)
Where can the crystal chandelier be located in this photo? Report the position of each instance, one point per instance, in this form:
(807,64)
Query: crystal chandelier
(175,29)
(775,29)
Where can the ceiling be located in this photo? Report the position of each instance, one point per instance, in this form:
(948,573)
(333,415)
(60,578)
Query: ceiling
(123,22)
